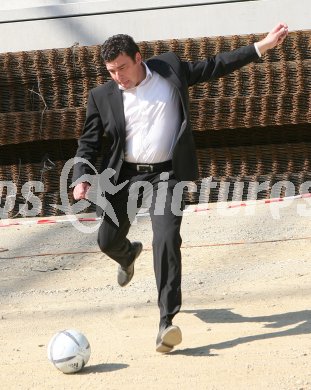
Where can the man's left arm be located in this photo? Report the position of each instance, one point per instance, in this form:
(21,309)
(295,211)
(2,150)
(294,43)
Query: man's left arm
(226,62)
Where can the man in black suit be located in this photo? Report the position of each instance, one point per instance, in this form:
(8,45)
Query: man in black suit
(144,113)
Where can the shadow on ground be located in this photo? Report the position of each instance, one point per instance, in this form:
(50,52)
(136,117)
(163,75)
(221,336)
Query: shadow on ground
(302,320)
(103,367)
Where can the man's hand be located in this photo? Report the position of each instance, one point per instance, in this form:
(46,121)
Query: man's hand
(81,190)
(274,38)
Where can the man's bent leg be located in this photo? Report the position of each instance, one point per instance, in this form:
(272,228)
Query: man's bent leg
(112,238)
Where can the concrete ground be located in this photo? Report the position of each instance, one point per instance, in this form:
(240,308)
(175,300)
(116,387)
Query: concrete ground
(246,317)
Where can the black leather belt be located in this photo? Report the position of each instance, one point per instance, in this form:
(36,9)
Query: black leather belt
(143,168)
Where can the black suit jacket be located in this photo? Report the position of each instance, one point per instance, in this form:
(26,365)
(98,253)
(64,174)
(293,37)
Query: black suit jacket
(105,114)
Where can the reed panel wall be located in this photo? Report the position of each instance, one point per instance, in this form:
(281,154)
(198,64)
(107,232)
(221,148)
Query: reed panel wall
(251,126)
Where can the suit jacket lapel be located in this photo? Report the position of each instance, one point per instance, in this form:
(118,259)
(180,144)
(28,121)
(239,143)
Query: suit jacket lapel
(165,70)
(116,103)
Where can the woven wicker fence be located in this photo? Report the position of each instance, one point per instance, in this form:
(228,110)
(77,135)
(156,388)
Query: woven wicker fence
(251,126)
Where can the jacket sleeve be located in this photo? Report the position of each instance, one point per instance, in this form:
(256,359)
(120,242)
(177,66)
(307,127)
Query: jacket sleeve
(220,65)
(90,142)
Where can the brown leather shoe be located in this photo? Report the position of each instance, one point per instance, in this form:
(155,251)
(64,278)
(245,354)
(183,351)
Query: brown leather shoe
(125,274)
(168,337)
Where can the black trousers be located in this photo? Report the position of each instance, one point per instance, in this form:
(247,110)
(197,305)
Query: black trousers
(156,191)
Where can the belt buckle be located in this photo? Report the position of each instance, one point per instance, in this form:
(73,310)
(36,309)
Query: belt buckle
(144,168)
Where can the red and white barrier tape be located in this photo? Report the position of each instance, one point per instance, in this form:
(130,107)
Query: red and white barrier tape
(189,210)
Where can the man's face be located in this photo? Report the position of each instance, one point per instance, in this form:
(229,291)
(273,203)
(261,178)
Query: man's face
(125,71)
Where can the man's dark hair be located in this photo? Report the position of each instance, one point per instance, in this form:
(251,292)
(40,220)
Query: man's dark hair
(118,44)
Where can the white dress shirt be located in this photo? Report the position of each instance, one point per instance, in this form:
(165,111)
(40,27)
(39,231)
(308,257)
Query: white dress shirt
(152,119)
(257,50)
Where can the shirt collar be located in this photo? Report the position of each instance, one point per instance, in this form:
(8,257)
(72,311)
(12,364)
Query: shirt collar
(145,80)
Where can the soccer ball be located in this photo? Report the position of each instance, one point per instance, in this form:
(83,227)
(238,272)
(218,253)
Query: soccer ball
(69,351)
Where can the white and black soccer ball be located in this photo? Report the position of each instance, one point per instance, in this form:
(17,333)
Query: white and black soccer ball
(69,351)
